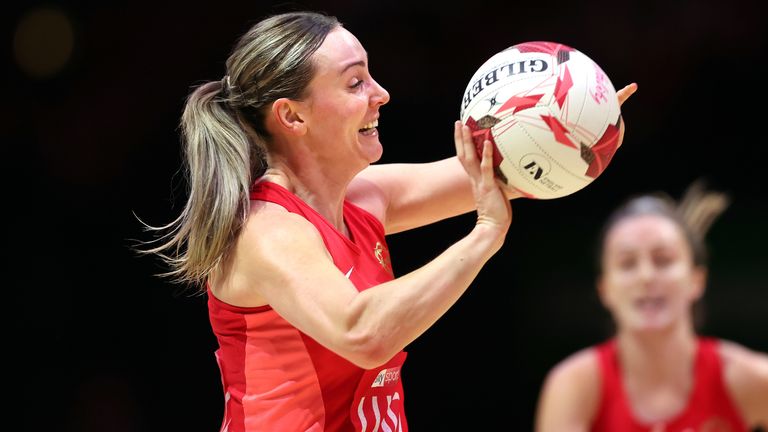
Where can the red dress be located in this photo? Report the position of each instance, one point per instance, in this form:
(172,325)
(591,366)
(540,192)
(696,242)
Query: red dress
(276,378)
(709,408)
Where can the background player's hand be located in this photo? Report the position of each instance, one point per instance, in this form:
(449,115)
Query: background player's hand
(493,206)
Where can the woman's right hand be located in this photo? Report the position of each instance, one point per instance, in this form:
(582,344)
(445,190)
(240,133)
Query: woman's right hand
(493,206)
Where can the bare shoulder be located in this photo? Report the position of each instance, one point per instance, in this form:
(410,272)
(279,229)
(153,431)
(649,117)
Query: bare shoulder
(746,377)
(744,361)
(571,393)
(272,244)
(580,368)
(270,224)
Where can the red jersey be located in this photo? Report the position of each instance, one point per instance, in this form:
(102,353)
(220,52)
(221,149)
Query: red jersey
(276,378)
(709,408)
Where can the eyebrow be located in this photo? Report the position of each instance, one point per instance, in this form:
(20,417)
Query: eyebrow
(351,65)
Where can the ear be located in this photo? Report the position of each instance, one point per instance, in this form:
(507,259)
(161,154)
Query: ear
(288,117)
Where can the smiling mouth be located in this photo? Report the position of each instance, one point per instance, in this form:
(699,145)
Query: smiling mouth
(369,128)
(650,304)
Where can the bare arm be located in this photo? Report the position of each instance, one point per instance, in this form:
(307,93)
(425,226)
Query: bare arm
(282,261)
(570,395)
(405,196)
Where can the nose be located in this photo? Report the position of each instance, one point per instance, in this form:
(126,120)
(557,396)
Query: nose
(646,270)
(380,94)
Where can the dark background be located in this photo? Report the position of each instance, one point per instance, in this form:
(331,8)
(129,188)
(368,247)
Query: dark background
(90,141)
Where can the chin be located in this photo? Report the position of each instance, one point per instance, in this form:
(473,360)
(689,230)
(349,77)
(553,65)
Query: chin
(374,154)
(652,325)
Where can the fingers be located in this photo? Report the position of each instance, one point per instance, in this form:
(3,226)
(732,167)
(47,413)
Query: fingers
(621,131)
(478,163)
(458,139)
(470,153)
(465,147)
(493,207)
(626,92)
(623,95)
(486,163)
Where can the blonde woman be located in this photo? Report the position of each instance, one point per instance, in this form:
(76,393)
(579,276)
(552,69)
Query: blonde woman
(284,230)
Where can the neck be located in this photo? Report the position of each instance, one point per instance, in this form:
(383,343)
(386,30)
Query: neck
(660,356)
(319,192)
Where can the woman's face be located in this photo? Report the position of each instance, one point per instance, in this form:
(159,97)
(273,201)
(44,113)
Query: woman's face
(649,281)
(342,108)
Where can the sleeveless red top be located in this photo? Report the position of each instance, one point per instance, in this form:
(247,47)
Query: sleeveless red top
(276,378)
(709,408)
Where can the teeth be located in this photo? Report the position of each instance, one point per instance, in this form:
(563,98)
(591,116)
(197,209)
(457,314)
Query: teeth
(371,125)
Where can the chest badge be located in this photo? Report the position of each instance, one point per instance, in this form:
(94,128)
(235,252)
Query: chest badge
(382,255)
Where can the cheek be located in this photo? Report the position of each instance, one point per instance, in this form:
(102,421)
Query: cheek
(356,105)
(327,109)
(330,119)
(344,117)
(688,289)
(680,280)
(615,288)
(618,280)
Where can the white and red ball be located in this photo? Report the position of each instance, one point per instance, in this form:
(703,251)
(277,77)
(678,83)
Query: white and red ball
(551,113)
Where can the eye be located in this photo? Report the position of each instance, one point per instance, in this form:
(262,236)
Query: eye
(357,84)
(664,260)
(626,263)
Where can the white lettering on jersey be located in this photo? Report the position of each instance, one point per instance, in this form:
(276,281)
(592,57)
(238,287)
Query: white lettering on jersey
(361,415)
(393,425)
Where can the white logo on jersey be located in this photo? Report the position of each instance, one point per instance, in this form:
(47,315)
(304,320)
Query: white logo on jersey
(379,381)
(386,376)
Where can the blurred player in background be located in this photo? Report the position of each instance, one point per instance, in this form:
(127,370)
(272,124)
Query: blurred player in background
(656,373)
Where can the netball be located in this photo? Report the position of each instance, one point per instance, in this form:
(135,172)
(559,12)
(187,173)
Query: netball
(551,113)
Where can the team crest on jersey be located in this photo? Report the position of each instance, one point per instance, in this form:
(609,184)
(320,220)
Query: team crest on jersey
(382,254)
